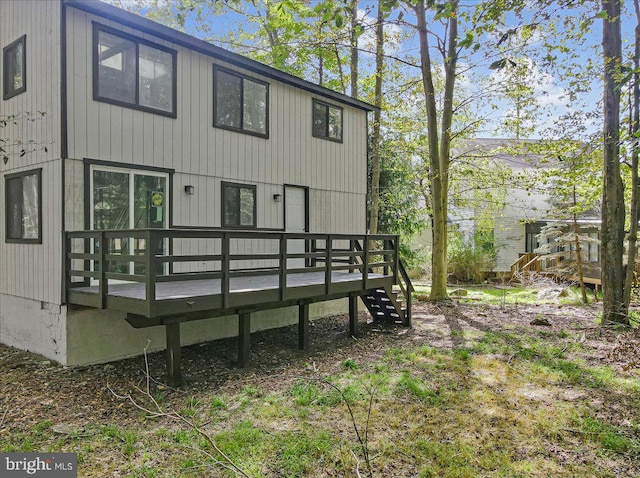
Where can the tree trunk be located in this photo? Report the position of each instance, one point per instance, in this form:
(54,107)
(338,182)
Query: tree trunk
(613,213)
(353,7)
(439,148)
(635,182)
(375,138)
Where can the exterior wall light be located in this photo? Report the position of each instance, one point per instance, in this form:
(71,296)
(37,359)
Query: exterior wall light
(277,197)
(189,190)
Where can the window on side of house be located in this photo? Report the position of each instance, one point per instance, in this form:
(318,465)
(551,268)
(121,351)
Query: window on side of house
(134,73)
(327,121)
(238,205)
(23,202)
(240,103)
(14,69)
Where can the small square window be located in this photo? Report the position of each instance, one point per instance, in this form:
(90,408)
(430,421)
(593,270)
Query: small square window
(14,69)
(327,121)
(23,200)
(240,103)
(238,205)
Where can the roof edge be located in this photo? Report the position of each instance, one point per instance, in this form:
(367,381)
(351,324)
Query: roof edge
(132,20)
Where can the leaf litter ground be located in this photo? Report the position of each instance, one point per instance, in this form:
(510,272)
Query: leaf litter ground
(471,390)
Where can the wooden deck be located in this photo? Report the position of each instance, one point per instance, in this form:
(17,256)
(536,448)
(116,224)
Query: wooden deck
(193,274)
(185,298)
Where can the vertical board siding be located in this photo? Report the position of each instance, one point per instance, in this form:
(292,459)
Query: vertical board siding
(34,270)
(204,156)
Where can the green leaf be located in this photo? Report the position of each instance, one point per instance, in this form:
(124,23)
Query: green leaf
(467,40)
(498,64)
(338,21)
(603,15)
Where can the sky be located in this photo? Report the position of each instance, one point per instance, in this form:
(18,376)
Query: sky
(552,92)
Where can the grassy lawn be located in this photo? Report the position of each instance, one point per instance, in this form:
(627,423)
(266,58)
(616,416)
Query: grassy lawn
(503,402)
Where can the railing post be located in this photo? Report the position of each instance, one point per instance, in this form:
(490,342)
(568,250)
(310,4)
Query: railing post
(386,245)
(283,266)
(103,285)
(150,271)
(328,257)
(396,255)
(67,265)
(365,267)
(224,282)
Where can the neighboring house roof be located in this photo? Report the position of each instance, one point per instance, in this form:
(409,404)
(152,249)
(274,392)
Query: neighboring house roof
(132,20)
(514,153)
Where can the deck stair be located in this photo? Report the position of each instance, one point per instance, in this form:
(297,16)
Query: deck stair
(385,305)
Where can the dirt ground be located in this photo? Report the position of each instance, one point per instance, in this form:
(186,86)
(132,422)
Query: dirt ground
(72,399)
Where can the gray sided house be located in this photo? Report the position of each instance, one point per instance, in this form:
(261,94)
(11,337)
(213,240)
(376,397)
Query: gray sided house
(521,207)
(167,179)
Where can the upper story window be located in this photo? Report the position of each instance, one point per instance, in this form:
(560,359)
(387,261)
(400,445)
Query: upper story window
(238,205)
(23,200)
(240,103)
(327,121)
(131,72)
(14,69)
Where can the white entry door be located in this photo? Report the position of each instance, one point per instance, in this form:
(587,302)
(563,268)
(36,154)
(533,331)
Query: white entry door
(295,213)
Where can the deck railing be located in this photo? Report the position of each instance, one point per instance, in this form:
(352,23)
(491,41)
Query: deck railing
(154,256)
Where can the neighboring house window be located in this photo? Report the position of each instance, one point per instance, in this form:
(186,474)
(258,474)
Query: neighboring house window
(14,71)
(134,73)
(23,199)
(238,205)
(532,229)
(240,103)
(327,121)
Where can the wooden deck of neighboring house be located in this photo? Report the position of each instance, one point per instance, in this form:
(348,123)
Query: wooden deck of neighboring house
(530,264)
(179,275)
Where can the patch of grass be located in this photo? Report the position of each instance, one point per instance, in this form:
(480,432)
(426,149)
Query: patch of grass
(217,403)
(128,437)
(350,364)
(607,436)
(419,389)
(297,453)
(304,392)
(190,408)
(42,425)
(331,397)
(251,391)
(181,436)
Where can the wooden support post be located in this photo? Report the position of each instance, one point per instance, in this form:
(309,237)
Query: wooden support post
(303,326)
(244,338)
(353,315)
(174,356)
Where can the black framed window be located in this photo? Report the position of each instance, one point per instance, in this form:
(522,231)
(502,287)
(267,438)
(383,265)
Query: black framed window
(131,72)
(238,205)
(327,121)
(14,68)
(240,103)
(23,202)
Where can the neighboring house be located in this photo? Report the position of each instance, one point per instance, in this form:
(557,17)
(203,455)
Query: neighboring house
(149,128)
(527,206)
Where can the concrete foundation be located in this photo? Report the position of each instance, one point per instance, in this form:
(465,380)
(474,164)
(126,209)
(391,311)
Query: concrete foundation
(83,336)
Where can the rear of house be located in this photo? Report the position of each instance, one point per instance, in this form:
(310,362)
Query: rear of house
(147,127)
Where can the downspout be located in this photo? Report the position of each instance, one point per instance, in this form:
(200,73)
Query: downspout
(367,197)
(63,137)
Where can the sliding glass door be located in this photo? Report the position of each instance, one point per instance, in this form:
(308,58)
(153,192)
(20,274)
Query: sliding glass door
(128,199)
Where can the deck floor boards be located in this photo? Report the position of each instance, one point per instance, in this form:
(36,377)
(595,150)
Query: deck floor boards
(208,287)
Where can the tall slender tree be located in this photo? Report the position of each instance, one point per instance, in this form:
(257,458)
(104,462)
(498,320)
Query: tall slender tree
(438,136)
(634,135)
(613,212)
